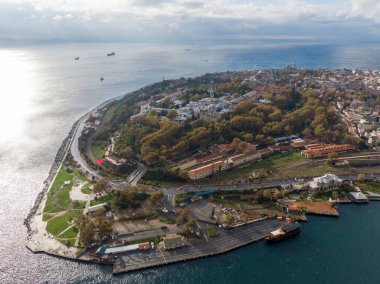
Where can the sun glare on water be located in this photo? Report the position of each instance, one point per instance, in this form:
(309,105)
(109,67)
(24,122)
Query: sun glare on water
(17,89)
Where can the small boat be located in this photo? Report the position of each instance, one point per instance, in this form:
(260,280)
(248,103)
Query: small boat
(286,231)
(77,58)
(111,54)
(101,79)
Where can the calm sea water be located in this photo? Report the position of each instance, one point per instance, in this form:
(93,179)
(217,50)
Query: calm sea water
(43,91)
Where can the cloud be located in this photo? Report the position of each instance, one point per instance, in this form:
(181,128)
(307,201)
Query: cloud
(368,9)
(160,19)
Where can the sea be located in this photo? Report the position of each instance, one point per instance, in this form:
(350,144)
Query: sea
(43,91)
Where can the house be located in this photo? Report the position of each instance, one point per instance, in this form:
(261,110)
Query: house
(297,143)
(173,241)
(243,159)
(325,183)
(97,207)
(113,164)
(317,150)
(207,170)
(365,126)
(285,139)
(187,164)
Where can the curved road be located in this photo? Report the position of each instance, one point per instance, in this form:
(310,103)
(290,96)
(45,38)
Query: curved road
(74,148)
(132,179)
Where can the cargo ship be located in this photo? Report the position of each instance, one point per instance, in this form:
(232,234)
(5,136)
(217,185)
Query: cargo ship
(287,231)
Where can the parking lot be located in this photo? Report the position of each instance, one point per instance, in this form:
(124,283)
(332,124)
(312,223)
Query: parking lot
(227,240)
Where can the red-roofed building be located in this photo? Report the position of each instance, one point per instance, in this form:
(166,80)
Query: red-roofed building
(317,150)
(243,159)
(113,164)
(207,170)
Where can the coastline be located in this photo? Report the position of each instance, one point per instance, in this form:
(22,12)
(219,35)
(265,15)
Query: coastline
(38,240)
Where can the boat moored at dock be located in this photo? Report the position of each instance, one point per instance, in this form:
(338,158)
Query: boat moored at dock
(286,231)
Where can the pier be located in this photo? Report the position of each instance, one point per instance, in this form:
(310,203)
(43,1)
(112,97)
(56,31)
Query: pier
(228,239)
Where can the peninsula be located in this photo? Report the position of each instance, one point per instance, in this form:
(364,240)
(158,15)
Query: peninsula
(194,167)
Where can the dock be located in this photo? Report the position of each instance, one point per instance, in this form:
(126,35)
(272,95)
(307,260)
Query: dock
(373,196)
(358,197)
(228,240)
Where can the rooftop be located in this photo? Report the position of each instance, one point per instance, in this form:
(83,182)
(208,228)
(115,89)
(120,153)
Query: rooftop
(327,178)
(207,168)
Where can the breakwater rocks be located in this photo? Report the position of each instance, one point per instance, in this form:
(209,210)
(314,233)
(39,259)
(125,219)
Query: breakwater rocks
(59,157)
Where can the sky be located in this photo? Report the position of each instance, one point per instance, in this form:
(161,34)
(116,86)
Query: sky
(141,20)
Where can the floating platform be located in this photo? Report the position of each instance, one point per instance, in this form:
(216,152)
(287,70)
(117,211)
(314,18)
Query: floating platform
(373,196)
(358,197)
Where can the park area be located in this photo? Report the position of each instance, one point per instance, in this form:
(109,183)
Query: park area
(60,210)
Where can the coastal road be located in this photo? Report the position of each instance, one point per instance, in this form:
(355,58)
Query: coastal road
(74,142)
(132,179)
(74,148)
(170,193)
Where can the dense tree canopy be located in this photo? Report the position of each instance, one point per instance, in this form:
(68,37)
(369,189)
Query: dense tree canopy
(290,112)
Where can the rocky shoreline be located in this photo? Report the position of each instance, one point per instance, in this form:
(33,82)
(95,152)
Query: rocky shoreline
(59,157)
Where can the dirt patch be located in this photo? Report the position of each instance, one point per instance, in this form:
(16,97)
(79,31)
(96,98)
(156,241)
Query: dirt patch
(322,208)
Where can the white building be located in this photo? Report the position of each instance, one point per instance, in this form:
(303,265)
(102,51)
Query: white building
(325,183)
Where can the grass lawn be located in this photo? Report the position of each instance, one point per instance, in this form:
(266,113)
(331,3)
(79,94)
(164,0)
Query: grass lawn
(98,150)
(58,198)
(108,116)
(373,186)
(56,225)
(212,232)
(277,166)
(70,233)
(101,200)
(243,204)
(165,219)
(85,189)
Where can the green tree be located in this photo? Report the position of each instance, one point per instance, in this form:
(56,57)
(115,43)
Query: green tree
(230,220)
(156,197)
(331,158)
(127,152)
(334,194)
(278,195)
(266,194)
(103,185)
(172,114)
